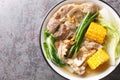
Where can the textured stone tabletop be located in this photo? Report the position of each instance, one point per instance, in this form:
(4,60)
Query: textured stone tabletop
(20,56)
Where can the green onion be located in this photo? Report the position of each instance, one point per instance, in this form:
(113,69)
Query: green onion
(80,32)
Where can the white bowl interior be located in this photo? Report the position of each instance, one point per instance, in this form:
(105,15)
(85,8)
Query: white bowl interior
(62,72)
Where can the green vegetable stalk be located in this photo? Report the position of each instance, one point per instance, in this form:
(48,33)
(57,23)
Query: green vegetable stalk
(80,33)
(50,50)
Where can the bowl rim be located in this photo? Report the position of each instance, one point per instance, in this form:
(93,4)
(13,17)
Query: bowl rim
(43,20)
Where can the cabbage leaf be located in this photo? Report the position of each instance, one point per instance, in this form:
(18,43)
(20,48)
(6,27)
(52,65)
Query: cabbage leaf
(113,40)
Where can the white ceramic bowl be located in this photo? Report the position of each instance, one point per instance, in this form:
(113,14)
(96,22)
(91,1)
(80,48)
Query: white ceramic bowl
(112,12)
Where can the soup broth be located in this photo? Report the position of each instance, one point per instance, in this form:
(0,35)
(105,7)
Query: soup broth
(88,72)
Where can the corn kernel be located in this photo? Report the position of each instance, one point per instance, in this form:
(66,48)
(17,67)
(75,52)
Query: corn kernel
(97,59)
(96,33)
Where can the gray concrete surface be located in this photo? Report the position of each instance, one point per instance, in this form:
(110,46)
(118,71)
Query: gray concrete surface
(20,56)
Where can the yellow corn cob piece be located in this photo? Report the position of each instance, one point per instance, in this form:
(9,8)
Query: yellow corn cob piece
(97,59)
(96,33)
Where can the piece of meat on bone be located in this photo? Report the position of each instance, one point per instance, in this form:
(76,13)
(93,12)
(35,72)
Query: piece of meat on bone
(63,11)
(89,6)
(70,25)
(90,45)
(62,32)
(54,22)
(77,65)
(77,13)
(76,16)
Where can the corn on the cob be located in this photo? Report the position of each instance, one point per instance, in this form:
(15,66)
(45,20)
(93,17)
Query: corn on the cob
(97,59)
(96,33)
